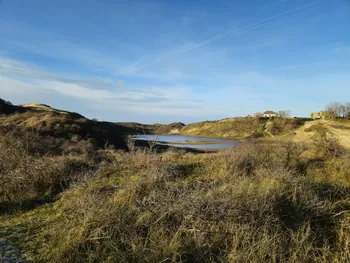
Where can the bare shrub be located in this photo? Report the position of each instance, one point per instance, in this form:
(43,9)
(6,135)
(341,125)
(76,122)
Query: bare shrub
(326,144)
(81,147)
(338,170)
(25,175)
(130,143)
(246,160)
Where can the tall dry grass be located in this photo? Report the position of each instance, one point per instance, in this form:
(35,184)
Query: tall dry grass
(255,203)
(27,173)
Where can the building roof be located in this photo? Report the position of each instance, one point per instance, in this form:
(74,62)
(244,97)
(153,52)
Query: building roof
(270,112)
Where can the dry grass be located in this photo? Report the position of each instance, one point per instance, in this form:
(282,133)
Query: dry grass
(27,174)
(338,128)
(256,203)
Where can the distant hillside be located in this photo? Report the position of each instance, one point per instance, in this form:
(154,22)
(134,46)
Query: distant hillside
(235,127)
(243,128)
(173,128)
(6,107)
(43,107)
(71,126)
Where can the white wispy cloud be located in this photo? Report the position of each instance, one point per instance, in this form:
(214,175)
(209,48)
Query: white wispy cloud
(117,95)
(95,59)
(18,36)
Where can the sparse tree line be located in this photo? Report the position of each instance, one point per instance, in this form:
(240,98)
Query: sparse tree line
(338,110)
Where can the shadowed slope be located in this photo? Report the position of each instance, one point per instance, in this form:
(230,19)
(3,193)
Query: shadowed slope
(71,126)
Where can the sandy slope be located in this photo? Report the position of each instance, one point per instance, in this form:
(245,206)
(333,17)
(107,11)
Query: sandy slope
(340,129)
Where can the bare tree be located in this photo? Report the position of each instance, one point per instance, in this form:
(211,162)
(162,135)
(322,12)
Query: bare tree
(333,109)
(347,110)
(258,114)
(338,110)
(285,114)
(342,110)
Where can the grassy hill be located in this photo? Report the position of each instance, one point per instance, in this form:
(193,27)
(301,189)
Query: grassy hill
(296,129)
(74,127)
(70,126)
(243,128)
(64,124)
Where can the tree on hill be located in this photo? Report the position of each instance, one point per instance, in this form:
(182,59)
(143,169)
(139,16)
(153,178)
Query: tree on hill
(338,110)
(347,110)
(285,114)
(258,114)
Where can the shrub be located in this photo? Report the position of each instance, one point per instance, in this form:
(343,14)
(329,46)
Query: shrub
(325,143)
(24,174)
(248,159)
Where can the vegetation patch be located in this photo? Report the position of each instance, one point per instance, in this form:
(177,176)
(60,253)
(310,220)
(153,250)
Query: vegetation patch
(341,127)
(243,128)
(257,202)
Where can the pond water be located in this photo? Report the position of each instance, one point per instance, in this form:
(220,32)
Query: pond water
(188,141)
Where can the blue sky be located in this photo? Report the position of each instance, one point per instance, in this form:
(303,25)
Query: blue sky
(166,61)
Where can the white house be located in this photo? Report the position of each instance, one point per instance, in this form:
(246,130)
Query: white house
(269,114)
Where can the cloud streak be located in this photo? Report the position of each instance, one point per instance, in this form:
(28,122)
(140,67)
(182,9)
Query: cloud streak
(116,95)
(235,32)
(253,26)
